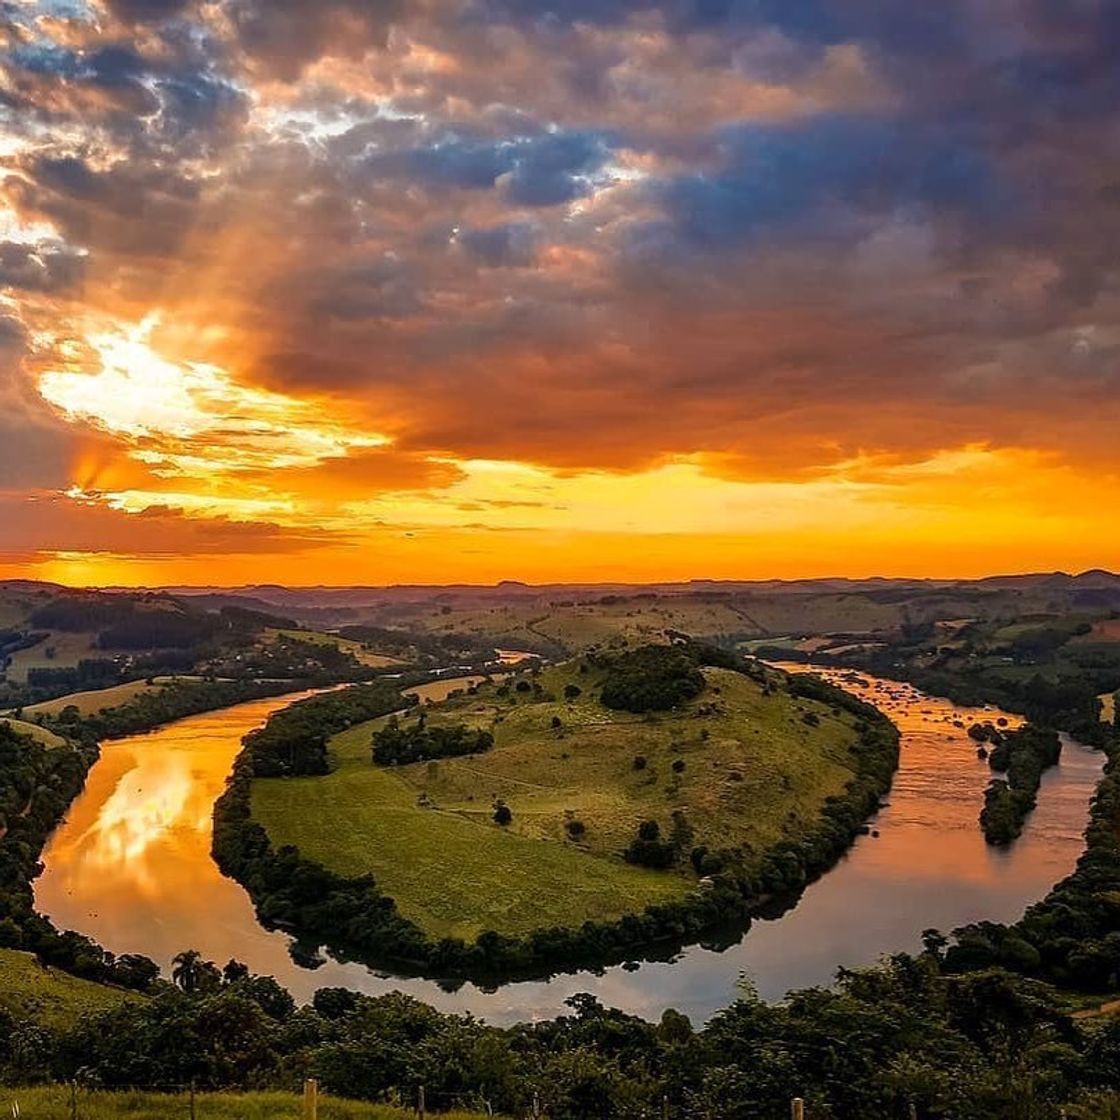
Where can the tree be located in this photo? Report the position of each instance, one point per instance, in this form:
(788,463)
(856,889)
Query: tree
(185,969)
(502,813)
(193,975)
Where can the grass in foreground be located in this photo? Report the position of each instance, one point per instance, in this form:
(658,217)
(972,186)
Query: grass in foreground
(29,990)
(53,1103)
(753,773)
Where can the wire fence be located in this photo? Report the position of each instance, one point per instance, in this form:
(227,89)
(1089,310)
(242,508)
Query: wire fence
(74,1101)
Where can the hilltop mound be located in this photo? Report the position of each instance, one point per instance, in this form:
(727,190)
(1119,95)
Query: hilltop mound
(528,804)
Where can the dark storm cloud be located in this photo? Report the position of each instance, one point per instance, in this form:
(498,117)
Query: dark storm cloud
(777,180)
(147,11)
(38,268)
(512,245)
(543,170)
(282,36)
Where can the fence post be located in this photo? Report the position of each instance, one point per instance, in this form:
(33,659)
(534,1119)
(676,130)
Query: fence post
(73,1100)
(421,1104)
(665,1108)
(311,1099)
(193,1117)
(536,1106)
(797,1109)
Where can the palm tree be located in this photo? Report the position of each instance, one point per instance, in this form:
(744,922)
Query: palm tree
(186,968)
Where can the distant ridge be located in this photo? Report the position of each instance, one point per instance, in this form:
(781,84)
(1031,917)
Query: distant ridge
(1095,578)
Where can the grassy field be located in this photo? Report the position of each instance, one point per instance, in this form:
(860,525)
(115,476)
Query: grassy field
(41,734)
(635,619)
(90,703)
(753,772)
(53,1103)
(58,651)
(31,991)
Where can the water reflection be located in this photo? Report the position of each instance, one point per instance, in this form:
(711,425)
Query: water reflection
(131,867)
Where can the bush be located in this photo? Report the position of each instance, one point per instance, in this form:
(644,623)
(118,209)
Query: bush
(647,849)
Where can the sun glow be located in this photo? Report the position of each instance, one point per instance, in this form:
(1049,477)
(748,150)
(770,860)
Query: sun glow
(192,417)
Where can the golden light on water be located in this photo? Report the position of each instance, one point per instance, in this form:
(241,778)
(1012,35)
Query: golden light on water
(150,802)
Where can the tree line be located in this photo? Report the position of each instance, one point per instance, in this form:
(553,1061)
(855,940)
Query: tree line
(903,1039)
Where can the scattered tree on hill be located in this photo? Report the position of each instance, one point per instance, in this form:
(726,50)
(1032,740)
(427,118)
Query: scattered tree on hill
(647,849)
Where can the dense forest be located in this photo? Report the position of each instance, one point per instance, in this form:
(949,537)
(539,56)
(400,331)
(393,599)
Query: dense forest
(650,679)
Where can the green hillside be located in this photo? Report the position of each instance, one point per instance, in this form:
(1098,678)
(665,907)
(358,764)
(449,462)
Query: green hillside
(737,768)
(31,990)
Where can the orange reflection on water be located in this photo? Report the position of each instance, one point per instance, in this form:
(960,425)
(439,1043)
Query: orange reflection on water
(149,807)
(131,865)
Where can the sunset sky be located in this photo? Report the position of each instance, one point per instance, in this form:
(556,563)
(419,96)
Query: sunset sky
(371,291)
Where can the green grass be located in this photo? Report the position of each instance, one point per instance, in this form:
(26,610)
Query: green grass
(39,734)
(53,1103)
(754,773)
(29,990)
(92,702)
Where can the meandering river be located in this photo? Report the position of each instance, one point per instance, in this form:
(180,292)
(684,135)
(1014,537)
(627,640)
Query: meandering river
(131,867)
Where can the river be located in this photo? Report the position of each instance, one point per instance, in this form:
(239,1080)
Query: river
(131,867)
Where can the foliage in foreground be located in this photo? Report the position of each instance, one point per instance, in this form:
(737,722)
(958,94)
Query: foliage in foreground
(985,1045)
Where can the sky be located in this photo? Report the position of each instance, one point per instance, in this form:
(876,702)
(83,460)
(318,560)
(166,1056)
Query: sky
(373,291)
